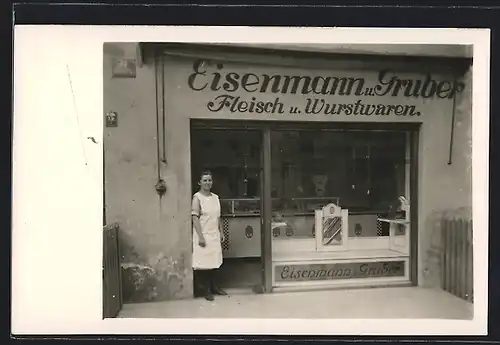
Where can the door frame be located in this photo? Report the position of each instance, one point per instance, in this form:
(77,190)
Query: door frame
(265,187)
(265,129)
(266,214)
(414,202)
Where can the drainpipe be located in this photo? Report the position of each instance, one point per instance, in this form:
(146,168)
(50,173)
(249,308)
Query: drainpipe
(160,186)
(452,131)
(103,183)
(163,110)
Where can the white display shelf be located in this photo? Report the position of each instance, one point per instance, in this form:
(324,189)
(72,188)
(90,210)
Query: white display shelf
(329,256)
(394,221)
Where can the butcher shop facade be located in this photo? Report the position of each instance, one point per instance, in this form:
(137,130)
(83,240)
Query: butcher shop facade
(331,169)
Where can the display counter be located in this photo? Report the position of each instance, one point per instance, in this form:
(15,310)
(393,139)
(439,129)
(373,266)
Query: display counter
(292,229)
(339,254)
(330,246)
(241,224)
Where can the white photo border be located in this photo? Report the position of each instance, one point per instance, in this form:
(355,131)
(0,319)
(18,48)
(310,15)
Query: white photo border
(57,178)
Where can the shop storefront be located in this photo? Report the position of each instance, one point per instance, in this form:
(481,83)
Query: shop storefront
(312,204)
(325,166)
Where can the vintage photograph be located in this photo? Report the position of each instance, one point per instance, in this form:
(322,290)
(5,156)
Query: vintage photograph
(287,181)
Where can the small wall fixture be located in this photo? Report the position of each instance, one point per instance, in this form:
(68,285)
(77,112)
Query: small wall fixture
(123,68)
(161,187)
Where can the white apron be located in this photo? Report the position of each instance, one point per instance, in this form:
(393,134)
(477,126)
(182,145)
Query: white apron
(210,256)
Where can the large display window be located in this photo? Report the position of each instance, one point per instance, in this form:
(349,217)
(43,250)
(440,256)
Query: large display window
(364,173)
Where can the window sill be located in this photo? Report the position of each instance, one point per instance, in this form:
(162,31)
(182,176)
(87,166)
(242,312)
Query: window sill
(308,255)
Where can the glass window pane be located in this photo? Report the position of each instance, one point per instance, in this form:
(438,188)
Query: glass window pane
(233,157)
(362,171)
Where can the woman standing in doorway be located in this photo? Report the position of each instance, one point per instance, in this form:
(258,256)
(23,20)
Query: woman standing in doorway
(207,237)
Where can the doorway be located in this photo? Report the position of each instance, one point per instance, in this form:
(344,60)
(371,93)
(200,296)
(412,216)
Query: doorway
(233,155)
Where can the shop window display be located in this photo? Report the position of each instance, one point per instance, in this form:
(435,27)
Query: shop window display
(362,172)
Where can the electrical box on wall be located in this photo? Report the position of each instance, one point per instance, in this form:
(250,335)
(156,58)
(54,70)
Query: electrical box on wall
(111,119)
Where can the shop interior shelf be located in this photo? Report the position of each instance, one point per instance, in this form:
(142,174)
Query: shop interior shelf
(394,221)
(341,255)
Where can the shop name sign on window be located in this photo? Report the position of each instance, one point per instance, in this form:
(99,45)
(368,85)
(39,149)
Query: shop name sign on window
(351,270)
(249,92)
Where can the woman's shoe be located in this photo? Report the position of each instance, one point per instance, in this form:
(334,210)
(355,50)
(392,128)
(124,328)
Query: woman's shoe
(209,296)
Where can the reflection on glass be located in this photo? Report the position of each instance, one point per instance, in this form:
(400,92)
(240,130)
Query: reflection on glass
(399,211)
(233,157)
(240,206)
(292,225)
(364,169)
(400,230)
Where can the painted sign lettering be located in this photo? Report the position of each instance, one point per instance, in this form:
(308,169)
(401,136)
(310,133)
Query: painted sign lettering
(339,271)
(232,88)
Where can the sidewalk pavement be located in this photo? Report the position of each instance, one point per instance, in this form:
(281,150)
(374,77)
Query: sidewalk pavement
(401,302)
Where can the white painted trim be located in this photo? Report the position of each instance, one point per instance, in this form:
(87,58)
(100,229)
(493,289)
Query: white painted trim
(355,285)
(333,261)
(309,256)
(368,243)
(342,282)
(286,245)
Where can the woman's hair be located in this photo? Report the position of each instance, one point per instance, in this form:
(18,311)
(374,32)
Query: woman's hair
(203,173)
